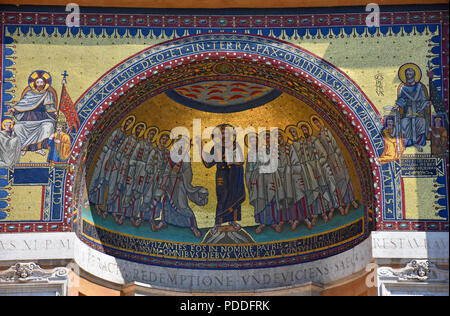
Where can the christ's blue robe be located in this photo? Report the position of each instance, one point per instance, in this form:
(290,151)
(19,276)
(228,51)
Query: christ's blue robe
(230,190)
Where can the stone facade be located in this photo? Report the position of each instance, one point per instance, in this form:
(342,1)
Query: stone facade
(368,266)
(361,114)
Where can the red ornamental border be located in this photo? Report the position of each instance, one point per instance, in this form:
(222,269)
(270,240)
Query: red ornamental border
(222,56)
(426,17)
(227,21)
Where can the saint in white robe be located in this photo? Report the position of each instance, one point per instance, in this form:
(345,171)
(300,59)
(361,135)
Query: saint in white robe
(266,193)
(344,190)
(136,180)
(318,178)
(179,189)
(102,170)
(118,175)
(9,149)
(290,171)
(155,167)
(36,115)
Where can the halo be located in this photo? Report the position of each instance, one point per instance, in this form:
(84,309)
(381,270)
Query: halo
(264,134)
(186,139)
(282,133)
(40,74)
(6,121)
(247,135)
(314,116)
(126,119)
(151,128)
(161,134)
(139,124)
(402,72)
(288,133)
(304,123)
(224,125)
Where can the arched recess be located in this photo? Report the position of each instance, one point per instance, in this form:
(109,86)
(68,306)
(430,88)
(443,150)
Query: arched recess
(257,59)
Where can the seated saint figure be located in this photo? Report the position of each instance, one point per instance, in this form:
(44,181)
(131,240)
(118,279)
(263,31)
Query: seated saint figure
(36,113)
(413,105)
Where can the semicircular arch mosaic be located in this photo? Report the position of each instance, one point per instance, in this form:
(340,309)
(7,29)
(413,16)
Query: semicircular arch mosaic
(178,228)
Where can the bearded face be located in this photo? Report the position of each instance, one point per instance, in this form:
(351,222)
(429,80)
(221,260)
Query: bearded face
(139,130)
(410,75)
(151,135)
(39,84)
(294,133)
(317,123)
(163,140)
(305,131)
(127,123)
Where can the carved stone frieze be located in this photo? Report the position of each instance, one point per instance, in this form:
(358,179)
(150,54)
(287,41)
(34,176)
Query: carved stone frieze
(32,272)
(415,270)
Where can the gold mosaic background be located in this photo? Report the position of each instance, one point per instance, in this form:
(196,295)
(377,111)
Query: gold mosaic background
(86,59)
(285,110)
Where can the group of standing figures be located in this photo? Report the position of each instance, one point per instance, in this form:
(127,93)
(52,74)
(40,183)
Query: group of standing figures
(135,178)
(311,179)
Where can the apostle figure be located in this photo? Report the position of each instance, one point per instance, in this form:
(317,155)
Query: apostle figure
(319,179)
(137,176)
(155,168)
(302,178)
(230,189)
(178,188)
(104,165)
(414,106)
(393,144)
(9,145)
(266,193)
(119,173)
(36,113)
(289,169)
(60,144)
(343,194)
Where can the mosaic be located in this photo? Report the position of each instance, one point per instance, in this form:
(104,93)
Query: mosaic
(361,115)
